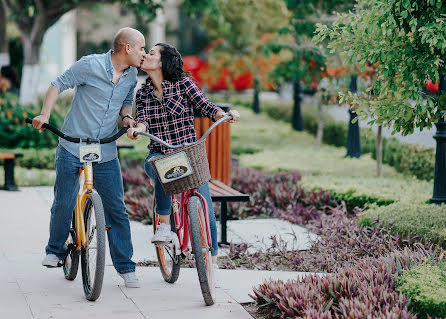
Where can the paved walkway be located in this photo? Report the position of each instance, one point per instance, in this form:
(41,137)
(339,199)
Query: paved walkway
(28,290)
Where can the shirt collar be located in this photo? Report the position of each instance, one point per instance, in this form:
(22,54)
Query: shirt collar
(109,65)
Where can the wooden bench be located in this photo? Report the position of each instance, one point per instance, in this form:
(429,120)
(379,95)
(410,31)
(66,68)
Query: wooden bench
(9,163)
(222,193)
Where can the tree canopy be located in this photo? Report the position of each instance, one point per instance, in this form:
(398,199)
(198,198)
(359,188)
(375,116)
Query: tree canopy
(405,40)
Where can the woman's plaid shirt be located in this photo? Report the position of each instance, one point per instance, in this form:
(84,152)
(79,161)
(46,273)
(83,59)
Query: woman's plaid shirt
(172,118)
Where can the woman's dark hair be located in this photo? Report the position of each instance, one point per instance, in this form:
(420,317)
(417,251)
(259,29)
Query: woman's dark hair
(171,63)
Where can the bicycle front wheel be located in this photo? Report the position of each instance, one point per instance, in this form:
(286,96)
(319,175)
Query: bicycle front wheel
(93,255)
(71,262)
(201,249)
(168,260)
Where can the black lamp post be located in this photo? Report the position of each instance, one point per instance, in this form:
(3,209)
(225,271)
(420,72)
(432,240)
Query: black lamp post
(296,120)
(440,155)
(353,137)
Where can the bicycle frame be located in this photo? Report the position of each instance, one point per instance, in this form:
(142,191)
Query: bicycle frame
(181,216)
(85,179)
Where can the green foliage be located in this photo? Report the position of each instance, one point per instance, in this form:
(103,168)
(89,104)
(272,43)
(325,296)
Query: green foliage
(239,26)
(16,133)
(425,285)
(407,158)
(411,219)
(406,41)
(306,59)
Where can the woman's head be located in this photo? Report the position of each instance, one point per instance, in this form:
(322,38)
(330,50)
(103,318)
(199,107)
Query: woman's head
(166,58)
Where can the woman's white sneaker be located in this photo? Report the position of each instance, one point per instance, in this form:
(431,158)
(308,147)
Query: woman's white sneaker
(162,234)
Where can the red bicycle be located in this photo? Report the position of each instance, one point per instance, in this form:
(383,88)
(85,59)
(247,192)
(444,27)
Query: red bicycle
(180,173)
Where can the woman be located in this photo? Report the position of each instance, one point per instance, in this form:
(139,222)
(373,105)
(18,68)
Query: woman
(165,108)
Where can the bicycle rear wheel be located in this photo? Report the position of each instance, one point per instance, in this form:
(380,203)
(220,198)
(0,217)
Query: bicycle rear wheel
(93,255)
(71,262)
(168,261)
(201,249)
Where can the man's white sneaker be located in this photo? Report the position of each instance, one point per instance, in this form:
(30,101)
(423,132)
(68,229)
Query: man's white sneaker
(130,280)
(162,235)
(51,261)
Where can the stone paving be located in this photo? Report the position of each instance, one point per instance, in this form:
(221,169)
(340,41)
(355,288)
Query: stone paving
(28,290)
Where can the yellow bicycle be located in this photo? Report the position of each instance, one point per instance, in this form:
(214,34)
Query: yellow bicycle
(87,235)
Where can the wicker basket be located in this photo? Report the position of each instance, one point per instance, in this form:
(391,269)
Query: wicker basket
(195,155)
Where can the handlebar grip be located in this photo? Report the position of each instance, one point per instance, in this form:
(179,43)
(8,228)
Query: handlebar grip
(77,139)
(56,131)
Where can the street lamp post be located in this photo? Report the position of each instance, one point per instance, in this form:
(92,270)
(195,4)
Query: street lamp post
(440,155)
(353,137)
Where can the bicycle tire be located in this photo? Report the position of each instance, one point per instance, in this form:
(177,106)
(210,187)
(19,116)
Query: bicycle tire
(168,261)
(71,262)
(201,251)
(95,230)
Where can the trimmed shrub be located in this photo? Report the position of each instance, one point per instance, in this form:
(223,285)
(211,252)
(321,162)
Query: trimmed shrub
(411,220)
(15,133)
(359,191)
(425,285)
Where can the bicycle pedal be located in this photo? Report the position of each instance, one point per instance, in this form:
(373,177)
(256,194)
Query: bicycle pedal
(162,243)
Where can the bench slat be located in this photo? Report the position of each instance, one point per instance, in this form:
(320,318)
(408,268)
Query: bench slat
(222,192)
(7,155)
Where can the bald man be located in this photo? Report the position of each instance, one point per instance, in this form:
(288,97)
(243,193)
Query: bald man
(104,86)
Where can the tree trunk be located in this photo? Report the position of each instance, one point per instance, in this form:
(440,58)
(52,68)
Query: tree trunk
(4,52)
(379,151)
(296,121)
(320,123)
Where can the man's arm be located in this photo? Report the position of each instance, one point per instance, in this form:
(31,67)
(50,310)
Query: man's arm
(51,96)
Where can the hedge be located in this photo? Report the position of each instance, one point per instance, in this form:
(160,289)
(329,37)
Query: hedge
(412,220)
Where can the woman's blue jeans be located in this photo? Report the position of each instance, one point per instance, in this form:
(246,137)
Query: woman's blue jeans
(164,202)
(107,181)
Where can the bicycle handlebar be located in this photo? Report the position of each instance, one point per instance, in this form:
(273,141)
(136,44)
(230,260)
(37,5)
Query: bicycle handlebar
(158,140)
(77,139)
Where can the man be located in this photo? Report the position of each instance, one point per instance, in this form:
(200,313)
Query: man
(104,86)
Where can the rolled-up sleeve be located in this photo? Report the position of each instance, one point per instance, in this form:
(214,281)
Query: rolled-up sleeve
(199,101)
(140,116)
(74,76)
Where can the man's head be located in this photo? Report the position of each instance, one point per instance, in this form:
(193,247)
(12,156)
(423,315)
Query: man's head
(130,44)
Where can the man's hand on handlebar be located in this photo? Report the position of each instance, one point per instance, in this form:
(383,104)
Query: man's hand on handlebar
(39,120)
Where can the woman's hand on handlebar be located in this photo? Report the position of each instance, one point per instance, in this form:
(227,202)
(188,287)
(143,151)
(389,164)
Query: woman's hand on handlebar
(39,120)
(235,115)
(139,128)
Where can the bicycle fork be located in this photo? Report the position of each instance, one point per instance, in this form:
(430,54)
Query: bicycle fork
(85,187)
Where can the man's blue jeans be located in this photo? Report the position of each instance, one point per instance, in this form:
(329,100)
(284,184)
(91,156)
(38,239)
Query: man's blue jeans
(107,181)
(164,202)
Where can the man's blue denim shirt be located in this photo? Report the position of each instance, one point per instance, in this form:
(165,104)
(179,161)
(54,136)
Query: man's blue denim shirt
(97,101)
